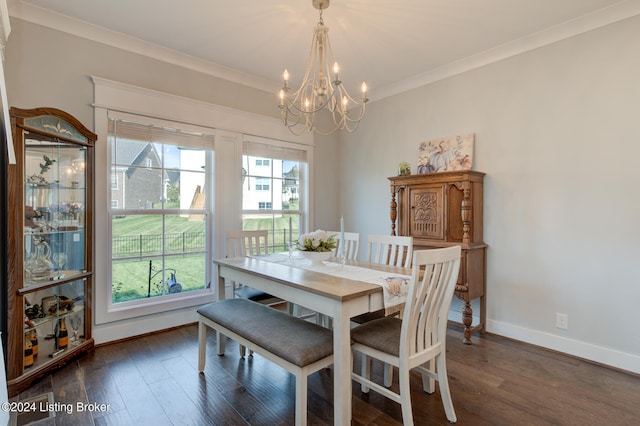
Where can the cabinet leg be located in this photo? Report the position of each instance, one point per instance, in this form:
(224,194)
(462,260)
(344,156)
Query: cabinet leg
(467,320)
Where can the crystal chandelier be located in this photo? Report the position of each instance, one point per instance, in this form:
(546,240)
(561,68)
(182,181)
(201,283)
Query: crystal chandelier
(321,89)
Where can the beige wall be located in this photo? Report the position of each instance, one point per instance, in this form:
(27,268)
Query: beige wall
(45,67)
(557,135)
(50,68)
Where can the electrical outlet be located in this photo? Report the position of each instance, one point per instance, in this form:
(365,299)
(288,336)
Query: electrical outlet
(562,321)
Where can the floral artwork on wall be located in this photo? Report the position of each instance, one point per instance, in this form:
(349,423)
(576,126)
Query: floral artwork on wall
(446,154)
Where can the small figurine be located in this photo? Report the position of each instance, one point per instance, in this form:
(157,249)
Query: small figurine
(29,215)
(47,162)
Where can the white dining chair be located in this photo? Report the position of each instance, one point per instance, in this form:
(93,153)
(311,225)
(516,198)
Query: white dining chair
(247,243)
(390,250)
(351,244)
(418,340)
(250,243)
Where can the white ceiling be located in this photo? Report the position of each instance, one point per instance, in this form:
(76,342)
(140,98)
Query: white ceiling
(393,45)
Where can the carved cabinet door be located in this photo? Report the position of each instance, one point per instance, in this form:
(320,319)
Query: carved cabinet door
(426,212)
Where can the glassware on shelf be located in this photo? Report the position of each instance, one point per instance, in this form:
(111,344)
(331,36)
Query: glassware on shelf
(39,265)
(75,321)
(60,259)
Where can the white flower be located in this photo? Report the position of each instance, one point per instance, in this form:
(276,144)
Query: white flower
(318,240)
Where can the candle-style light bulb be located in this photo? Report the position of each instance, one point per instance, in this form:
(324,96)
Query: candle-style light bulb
(285,76)
(364,90)
(345,102)
(306,104)
(281,97)
(336,72)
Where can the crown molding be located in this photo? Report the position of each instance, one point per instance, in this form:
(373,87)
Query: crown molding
(609,15)
(600,18)
(116,39)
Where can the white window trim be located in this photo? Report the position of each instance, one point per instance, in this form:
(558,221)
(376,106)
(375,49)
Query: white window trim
(232,127)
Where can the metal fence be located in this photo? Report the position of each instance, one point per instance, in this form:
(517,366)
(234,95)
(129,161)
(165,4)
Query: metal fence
(182,242)
(152,244)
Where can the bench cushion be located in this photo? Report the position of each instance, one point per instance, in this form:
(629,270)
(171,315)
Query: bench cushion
(290,338)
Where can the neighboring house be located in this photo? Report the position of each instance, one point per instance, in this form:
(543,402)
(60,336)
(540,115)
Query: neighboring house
(291,185)
(258,186)
(134,181)
(264,191)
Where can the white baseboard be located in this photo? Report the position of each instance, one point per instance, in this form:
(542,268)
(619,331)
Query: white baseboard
(602,355)
(117,330)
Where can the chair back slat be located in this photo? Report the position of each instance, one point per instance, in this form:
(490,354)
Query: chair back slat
(247,243)
(390,250)
(433,281)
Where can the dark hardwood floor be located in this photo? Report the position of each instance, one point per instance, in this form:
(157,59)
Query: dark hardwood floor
(153,380)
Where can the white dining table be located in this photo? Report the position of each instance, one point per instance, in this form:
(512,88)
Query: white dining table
(338,297)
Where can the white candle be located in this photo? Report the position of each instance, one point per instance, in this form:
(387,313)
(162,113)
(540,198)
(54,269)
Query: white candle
(342,253)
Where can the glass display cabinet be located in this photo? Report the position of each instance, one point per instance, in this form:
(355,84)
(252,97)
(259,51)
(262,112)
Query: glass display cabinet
(50,198)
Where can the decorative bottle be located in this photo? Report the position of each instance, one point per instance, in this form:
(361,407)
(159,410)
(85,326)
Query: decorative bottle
(33,337)
(28,354)
(62,335)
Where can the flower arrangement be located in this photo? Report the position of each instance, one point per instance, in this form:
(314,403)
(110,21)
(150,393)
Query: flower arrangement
(404,169)
(318,241)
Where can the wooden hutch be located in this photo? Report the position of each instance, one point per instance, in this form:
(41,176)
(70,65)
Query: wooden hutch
(441,210)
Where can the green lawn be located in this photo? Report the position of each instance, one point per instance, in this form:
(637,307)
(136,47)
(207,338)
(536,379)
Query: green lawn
(151,224)
(130,277)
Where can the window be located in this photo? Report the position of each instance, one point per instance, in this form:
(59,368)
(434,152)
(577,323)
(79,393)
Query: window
(278,179)
(160,213)
(232,128)
(262,184)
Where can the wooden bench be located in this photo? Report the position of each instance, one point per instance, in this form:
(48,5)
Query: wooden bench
(298,346)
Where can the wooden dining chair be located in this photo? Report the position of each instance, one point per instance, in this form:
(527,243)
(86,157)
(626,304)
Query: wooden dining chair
(351,244)
(418,340)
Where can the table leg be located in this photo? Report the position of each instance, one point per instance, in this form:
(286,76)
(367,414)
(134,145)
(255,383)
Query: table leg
(341,369)
(220,339)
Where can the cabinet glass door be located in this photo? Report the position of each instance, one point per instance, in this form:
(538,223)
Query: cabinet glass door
(55,194)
